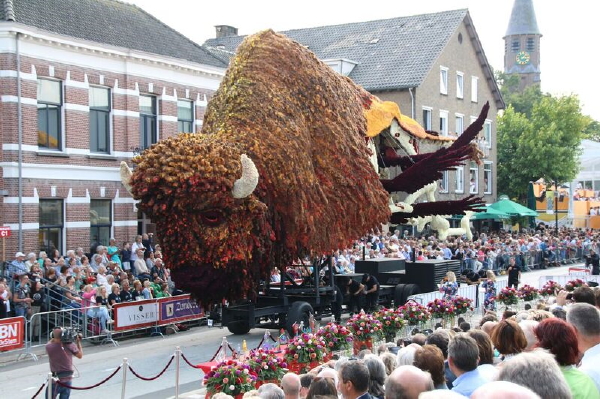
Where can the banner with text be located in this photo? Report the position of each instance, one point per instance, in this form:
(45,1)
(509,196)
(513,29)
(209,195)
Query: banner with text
(138,314)
(179,308)
(12,332)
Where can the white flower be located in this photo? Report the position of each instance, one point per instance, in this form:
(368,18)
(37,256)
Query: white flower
(246,371)
(231,387)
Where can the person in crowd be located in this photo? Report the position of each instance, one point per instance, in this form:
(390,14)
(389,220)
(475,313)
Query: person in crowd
(138,288)
(441,338)
(125,293)
(377,375)
(35,273)
(371,292)
(449,286)
(431,359)
(489,285)
(290,383)
(538,371)
(406,355)
(115,295)
(486,354)
(147,291)
(353,381)
(94,310)
(514,273)
(126,256)
(150,260)
(102,296)
(305,383)
(322,387)
(407,382)
(42,259)
(71,300)
(55,256)
(586,320)
(508,338)
(148,242)
(503,390)
(158,271)
(354,290)
(593,261)
(560,339)
(17,268)
(22,297)
(112,251)
(140,267)
(528,327)
(3,301)
(101,277)
(31,260)
(389,360)
(60,357)
(270,391)
(137,244)
(463,359)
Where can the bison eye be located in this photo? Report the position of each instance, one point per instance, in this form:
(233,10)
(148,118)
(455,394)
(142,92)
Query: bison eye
(212,217)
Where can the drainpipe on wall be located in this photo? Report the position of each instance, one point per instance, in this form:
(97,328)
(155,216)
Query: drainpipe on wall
(19,141)
(412,103)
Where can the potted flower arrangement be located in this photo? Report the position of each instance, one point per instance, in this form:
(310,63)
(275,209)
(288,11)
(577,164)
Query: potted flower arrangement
(462,305)
(336,337)
(571,285)
(231,377)
(304,352)
(365,328)
(528,293)
(551,288)
(267,366)
(508,296)
(414,313)
(391,323)
(441,308)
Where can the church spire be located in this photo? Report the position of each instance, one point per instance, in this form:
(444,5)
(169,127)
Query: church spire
(522,19)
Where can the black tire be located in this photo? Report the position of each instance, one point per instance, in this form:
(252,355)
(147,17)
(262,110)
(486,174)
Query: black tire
(299,311)
(238,327)
(398,295)
(411,289)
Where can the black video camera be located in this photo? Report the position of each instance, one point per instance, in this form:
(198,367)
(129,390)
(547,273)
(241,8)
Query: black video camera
(68,335)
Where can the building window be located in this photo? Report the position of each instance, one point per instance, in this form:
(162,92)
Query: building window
(443,123)
(148,128)
(185,116)
(100,221)
(487,178)
(530,44)
(460,179)
(49,104)
(487,133)
(443,80)
(459,85)
(99,119)
(473,178)
(51,225)
(427,121)
(460,124)
(516,46)
(444,182)
(474,88)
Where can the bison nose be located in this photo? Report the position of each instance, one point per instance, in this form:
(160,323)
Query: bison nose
(212,217)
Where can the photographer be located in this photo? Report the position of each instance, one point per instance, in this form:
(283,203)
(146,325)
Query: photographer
(61,349)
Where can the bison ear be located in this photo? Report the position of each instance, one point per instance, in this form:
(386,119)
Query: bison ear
(245,185)
(126,176)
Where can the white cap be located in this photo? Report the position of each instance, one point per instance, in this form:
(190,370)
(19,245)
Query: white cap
(18,254)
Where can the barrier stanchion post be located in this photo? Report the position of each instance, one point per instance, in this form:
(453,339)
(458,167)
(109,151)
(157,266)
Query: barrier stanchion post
(124,383)
(177,357)
(49,392)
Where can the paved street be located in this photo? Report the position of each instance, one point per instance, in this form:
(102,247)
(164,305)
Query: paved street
(147,356)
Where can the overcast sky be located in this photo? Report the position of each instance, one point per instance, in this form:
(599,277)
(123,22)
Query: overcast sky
(569,45)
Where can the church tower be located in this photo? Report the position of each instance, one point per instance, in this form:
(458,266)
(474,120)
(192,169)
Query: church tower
(522,44)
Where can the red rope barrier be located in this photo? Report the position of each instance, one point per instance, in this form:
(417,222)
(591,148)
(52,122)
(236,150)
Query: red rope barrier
(188,362)
(38,391)
(90,387)
(155,377)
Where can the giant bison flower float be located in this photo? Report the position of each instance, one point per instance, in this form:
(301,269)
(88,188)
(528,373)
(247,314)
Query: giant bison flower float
(285,167)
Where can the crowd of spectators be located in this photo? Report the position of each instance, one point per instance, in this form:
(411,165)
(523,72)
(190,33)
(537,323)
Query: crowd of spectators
(93,282)
(550,351)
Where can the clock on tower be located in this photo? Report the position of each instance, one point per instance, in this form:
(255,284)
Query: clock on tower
(523,58)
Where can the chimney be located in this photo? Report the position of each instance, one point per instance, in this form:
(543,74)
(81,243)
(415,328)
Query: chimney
(225,30)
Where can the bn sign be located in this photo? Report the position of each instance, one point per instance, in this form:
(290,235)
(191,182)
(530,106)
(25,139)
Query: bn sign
(4,231)
(12,333)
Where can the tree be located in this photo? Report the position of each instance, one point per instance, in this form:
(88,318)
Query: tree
(542,142)
(592,132)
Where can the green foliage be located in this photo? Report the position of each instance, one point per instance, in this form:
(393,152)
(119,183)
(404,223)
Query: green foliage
(592,132)
(543,141)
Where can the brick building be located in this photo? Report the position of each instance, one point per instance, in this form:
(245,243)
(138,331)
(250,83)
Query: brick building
(85,84)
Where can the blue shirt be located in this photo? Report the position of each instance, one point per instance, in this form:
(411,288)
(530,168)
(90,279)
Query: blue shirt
(468,382)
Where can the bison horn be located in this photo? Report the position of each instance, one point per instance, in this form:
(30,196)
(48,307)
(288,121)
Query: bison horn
(245,185)
(126,176)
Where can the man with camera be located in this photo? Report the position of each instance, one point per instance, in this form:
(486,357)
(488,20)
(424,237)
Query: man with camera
(593,260)
(65,344)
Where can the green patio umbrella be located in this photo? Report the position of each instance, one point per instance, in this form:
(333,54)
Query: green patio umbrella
(489,213)
(512,208)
